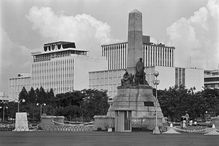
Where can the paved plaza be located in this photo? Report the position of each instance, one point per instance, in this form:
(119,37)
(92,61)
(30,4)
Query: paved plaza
(42,138)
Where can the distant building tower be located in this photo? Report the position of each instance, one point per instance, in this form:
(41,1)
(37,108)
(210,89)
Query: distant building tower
(16,84)
(63,68)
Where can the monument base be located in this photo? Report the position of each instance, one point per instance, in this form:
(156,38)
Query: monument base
(143,104)
(156,130)
(215,121)
(21,123)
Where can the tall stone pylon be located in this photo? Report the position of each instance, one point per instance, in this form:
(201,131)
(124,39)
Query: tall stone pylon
(135,46)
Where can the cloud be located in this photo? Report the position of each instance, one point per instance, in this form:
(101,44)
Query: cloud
(14,58)
(85,30)
(197,38)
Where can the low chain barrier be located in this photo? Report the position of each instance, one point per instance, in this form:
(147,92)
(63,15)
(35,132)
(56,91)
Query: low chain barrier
(6,129)
(205,130)
(69,127)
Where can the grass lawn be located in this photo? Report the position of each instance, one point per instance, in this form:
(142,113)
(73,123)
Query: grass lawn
(42,138)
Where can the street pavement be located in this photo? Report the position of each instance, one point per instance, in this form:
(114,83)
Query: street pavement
(43,138)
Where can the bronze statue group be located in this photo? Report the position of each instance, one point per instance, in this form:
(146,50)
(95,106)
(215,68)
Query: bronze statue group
(137,79)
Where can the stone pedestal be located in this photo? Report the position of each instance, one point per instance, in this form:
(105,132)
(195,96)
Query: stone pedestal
(21,123)
(141,101)
(102,122)
(215,121)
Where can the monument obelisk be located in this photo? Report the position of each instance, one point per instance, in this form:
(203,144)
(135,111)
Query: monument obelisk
(135,47)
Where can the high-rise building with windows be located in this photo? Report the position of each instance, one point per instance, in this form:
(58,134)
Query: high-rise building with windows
(211,79)
(63,68)
(153,54)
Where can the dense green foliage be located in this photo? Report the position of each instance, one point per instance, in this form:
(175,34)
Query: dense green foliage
(175,102)
(83,105)
(77,105)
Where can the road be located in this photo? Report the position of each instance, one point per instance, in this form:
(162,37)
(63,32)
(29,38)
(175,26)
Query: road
(42,138)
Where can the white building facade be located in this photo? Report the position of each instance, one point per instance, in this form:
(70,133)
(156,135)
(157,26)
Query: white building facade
(168,76)
(63,68)
(176,76)
(106,80)
(3,97)
(17,83)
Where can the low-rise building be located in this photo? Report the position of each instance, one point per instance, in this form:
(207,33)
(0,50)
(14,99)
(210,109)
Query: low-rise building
(176,76)
(211,79)
(169,77)
(16,84)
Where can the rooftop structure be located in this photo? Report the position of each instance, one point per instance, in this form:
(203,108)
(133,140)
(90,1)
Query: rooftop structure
(57,50)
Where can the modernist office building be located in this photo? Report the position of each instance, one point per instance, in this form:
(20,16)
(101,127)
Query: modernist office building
(153,54)
(211,79)
(63,67)
(16,84)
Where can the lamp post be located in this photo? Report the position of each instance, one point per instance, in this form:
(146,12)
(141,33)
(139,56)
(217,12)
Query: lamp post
(18,103)
(41,107)
(3,107)
(156,82)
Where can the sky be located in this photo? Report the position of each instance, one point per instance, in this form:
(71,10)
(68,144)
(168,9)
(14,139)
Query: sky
(191,26)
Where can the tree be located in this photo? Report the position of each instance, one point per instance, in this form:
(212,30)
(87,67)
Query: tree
(12,109)
(82,104)
(23,94)
(32,96)
(94,103)
(211,98)
(176,101)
